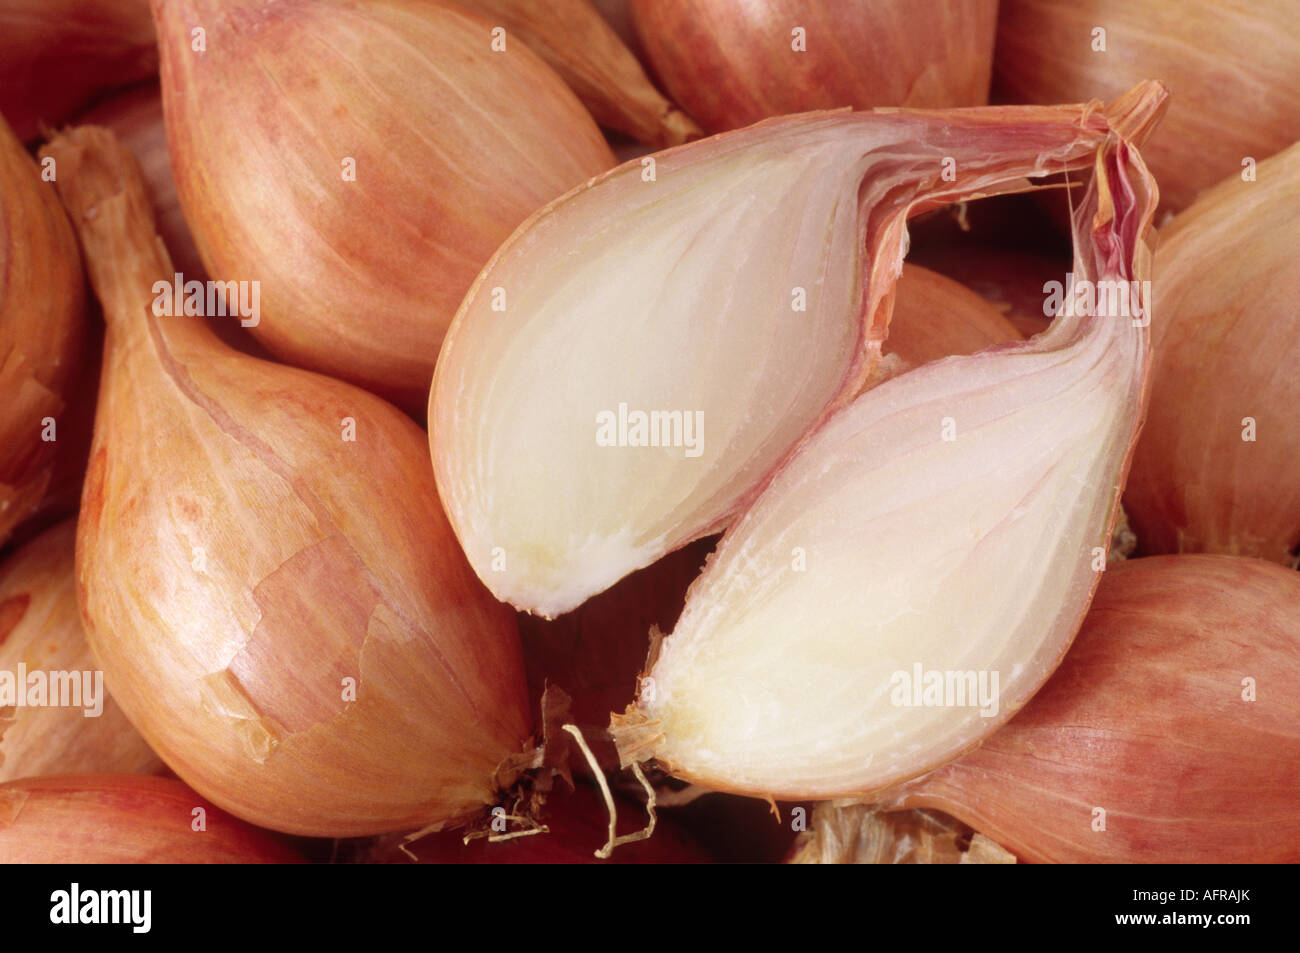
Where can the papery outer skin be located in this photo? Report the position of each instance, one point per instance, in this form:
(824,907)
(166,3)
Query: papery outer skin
(1147,719)
(1231,67)
(546,519)
(1215,469)
(42,319)
(238,560)
(359,278)
(971,553)
(57,55)
(587,54)
(859,834)
(124,819)
(730,63)
(40,628)
(578,823)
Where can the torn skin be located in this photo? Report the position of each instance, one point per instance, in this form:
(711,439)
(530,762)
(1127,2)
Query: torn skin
(314,669)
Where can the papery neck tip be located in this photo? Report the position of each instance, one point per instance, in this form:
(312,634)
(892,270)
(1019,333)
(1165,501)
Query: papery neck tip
(1135,114)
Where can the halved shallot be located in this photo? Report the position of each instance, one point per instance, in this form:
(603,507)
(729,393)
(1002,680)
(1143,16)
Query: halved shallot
(917,570)
(637,360)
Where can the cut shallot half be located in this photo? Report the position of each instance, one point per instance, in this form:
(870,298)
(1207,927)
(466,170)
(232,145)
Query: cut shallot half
(638,359)
(919,567)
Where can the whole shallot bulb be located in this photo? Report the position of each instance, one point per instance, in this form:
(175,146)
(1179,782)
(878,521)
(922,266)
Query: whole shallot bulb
(1233,72)
(1170,734)
(264,569)
(42,320)
(1215,468)
(950,524)
(55,717)
(674,328)
(124,819)
(730,63)
(385,151)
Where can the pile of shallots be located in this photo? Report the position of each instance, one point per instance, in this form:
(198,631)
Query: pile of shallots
(657,431)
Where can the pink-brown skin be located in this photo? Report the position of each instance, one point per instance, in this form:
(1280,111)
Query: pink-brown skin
(1226,343)
(730,63)
(936,317)
(42,322)
(587,53)
(1009,279)
(40,628)
(618,14)
(1231,69)
(56,56)
(1146,719)
(579,826)
(124,819)
(239,559)
(454,145)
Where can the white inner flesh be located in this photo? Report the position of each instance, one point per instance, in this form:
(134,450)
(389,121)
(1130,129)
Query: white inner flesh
(676,297)
(969,555)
